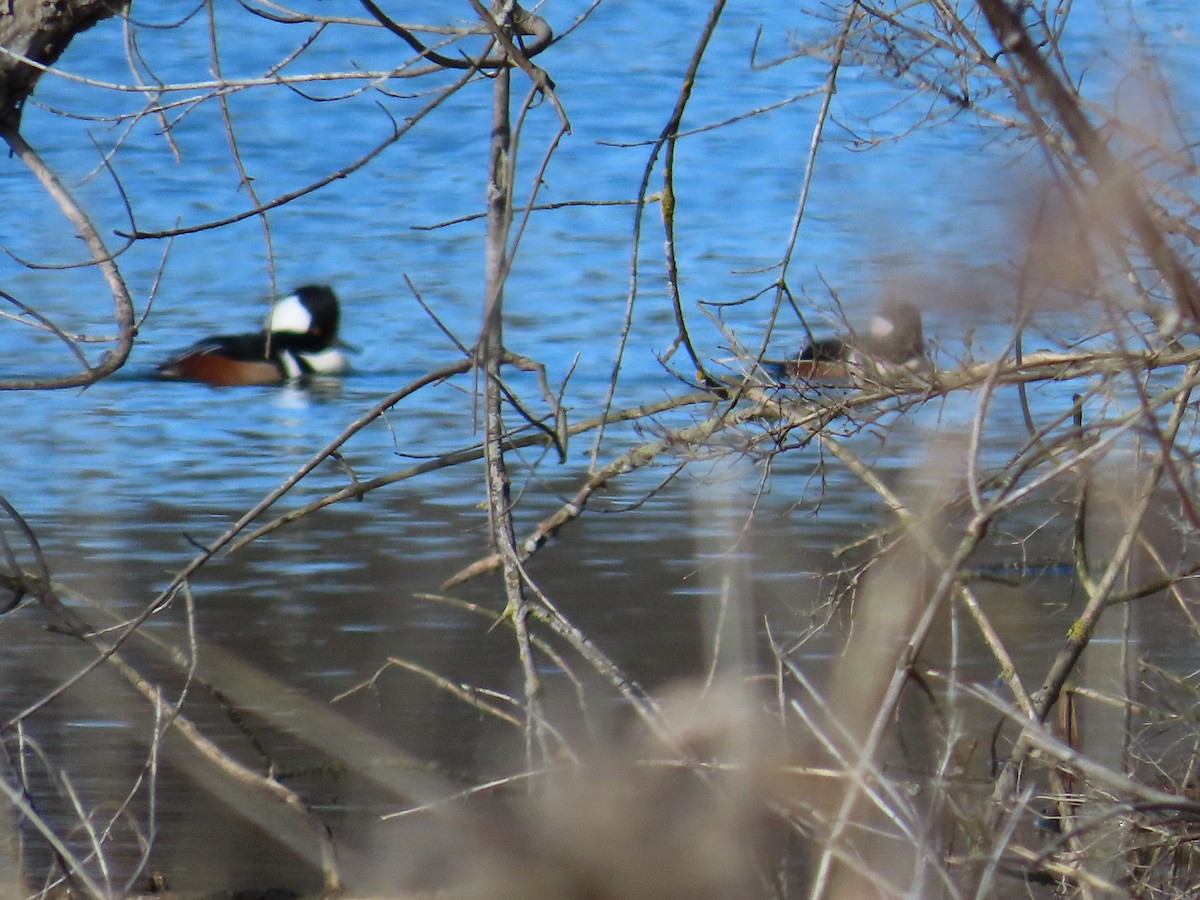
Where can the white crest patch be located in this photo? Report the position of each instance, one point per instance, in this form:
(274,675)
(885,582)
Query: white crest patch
(881,326)
(289,315)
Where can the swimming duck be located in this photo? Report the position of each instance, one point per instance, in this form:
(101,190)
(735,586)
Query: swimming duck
(893,342)
(298,340)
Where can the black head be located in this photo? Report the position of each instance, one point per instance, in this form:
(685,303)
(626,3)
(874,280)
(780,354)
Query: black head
(824,350)
(307,319)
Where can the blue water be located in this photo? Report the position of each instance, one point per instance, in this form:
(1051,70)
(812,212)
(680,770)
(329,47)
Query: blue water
(120,480)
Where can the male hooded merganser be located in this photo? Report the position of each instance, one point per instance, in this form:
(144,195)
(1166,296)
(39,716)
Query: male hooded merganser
(298,340)
(892,344)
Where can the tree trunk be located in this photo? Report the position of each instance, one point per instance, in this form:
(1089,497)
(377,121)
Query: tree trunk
(39,30)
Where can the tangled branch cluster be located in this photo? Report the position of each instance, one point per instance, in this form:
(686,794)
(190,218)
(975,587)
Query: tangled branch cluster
(758,778)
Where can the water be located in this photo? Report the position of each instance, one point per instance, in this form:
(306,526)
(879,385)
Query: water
(121,481)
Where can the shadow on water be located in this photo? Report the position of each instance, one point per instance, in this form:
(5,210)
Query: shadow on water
(320,606)
(333,605)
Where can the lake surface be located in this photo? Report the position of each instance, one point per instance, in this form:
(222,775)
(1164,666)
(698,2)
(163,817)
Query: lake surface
(123,481)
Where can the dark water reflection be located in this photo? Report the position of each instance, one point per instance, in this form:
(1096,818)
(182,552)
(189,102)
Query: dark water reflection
(325,602)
